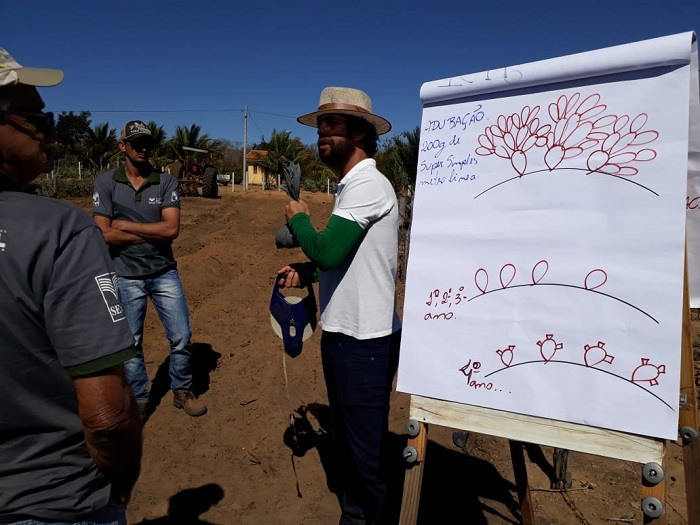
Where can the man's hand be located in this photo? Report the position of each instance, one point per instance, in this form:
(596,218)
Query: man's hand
(294,207)
(297,275)
(112,427)
(119,225)
(289,278)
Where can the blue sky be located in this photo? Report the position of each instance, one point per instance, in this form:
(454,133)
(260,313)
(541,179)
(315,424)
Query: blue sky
(180,63)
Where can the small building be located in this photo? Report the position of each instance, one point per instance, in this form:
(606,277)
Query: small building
(257,172)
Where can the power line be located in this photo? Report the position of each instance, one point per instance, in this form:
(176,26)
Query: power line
(256,124)
(170,111)
(151,110)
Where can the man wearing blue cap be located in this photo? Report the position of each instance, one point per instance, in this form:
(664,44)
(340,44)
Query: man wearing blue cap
(70,435)
(356,254)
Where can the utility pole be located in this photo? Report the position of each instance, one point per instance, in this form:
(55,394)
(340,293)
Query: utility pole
(245,147)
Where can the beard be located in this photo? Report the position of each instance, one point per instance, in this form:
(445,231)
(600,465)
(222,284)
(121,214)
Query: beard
(338,152)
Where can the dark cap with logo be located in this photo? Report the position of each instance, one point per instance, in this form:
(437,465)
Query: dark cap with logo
(133,130)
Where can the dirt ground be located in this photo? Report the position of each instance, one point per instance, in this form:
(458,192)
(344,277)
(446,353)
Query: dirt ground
(241,463)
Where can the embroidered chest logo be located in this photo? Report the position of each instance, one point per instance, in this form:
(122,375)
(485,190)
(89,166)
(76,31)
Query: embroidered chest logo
(95,199)
(3,234)
(107,284)
(154,200)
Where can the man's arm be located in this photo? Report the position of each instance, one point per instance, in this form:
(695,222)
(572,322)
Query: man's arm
(114,236)
(166,230)
(112,427)
(330,247)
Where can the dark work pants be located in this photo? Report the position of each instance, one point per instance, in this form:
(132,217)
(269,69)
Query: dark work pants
(358,375)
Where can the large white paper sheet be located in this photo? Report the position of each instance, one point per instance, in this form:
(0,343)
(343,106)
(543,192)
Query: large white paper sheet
(693,199)
(546,268)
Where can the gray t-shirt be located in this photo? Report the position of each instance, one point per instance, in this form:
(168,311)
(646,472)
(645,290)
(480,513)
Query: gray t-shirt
(59,317)
(116,198)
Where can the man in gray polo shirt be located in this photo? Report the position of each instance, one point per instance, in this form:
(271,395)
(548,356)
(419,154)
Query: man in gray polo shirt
(138,211)
(70,437)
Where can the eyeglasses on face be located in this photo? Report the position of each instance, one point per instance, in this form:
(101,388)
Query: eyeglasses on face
(140,144)
(43,121)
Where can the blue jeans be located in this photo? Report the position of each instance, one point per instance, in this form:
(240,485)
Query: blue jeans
(112,514)
(168,298)
(358,375)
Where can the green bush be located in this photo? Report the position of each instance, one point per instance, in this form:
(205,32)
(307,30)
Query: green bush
(316,185)
(65,187)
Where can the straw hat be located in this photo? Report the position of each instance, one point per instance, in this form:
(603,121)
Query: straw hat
(346,101)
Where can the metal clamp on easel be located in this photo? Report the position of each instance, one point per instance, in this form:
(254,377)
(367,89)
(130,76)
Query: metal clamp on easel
(414,450)
(652,475)
(688,435)
(414,455)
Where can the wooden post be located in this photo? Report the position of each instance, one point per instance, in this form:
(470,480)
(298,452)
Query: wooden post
(520,469)
(689,421)
(562,472)
(414,479)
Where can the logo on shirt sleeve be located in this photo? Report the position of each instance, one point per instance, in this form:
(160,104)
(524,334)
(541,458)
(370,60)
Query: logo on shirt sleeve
(107,284)
(95,199)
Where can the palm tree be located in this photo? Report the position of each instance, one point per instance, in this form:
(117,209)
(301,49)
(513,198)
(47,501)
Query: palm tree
(280,148)
(189,137)
(399,159)
(157,132)
(314,173)
(160,153)
(100,144)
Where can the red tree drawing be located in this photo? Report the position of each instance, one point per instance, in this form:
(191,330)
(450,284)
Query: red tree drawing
(577,125)
(512,136)
(619,148)
(574,127)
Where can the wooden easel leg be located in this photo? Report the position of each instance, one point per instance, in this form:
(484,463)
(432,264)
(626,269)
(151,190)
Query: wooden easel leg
(689,419)
(519,468)
(691,467)
(562,471)
(414,478)
(653,498)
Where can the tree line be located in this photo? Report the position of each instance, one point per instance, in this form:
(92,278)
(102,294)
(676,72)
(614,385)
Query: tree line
(96,148)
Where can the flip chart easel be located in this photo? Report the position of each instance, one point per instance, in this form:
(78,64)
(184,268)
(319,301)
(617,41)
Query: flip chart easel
(519,428)
(540,168)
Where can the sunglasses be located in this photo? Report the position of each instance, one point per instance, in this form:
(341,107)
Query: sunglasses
(140,144)
(42,121)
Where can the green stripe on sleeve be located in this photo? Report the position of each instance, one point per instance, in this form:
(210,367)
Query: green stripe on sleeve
(101,363)
(328,248)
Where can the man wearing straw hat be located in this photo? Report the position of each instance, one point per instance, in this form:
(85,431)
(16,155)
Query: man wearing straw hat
(70,436)
(356,254)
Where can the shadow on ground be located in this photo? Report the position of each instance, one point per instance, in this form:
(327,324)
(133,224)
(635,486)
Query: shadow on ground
(186,506)
(204,361)
(453,482)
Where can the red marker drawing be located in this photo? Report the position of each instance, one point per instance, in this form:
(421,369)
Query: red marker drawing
(647,372)
(506,355)
(596,354)
(507,274)
(549,347)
